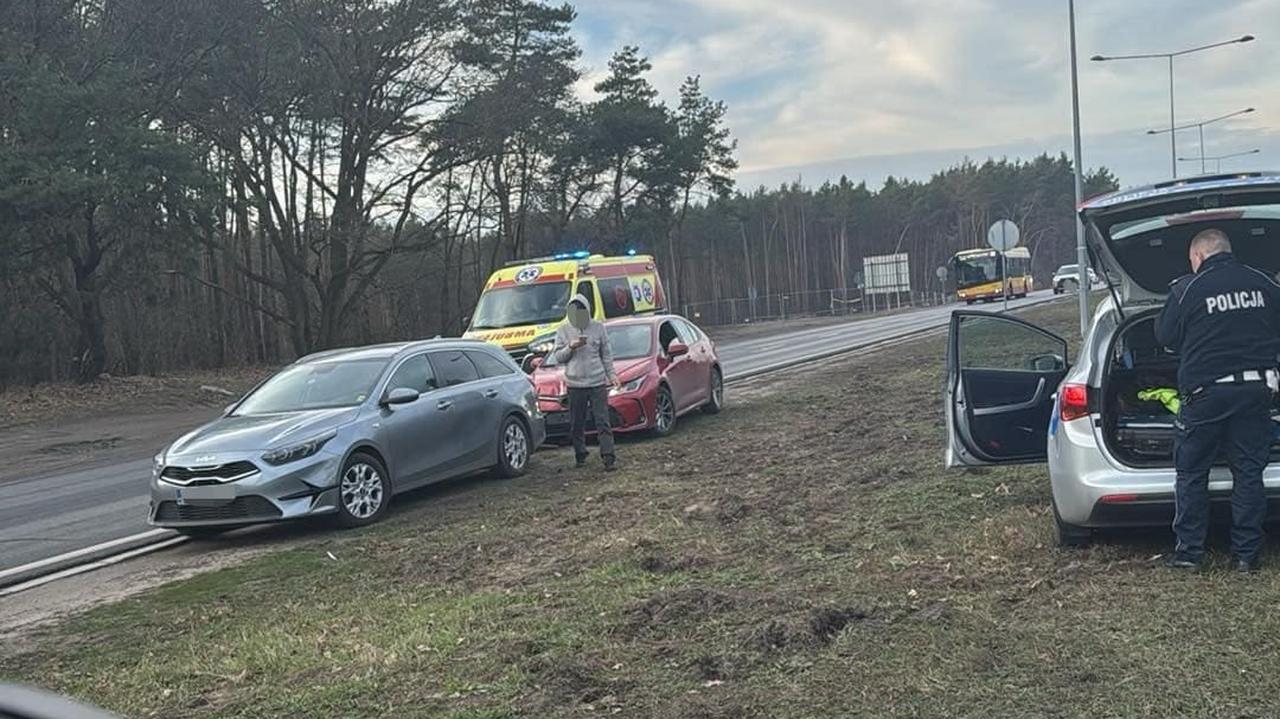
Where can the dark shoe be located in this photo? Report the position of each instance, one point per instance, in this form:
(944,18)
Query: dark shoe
(1247,566)
(1185,564)
(610,463)
(580,461)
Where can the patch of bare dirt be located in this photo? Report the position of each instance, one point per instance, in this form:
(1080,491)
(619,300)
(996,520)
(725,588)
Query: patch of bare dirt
(55,403)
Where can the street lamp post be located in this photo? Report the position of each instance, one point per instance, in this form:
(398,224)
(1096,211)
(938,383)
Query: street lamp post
(1082,250)
(1173,142)
(1219,158)
(1201,125)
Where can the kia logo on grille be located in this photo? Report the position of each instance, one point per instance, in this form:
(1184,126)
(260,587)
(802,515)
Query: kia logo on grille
(206,459)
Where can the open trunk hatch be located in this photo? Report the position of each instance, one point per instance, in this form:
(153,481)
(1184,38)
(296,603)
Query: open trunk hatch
(1140,238)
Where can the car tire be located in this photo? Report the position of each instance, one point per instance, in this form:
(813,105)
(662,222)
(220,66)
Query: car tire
(514,448)
(968,302)
(1070,286)
(364,491)
(1070,536)
(715,396)
(664,412)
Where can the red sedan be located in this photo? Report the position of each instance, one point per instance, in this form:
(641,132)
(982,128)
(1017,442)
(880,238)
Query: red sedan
(666,365)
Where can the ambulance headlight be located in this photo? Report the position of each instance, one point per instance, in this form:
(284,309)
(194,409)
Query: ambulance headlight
(543,345)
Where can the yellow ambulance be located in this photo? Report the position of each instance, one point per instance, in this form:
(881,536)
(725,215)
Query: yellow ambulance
(525,302)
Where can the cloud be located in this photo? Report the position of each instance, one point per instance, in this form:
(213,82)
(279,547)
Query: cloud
(811,81)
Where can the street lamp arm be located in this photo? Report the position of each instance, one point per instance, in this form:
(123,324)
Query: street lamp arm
(1167,55)
(1246,38)
(1191,125)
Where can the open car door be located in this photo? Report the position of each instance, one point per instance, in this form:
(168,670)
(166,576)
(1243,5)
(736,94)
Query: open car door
(1002,379)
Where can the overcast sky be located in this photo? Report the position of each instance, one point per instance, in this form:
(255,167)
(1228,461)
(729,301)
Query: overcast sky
(820,88)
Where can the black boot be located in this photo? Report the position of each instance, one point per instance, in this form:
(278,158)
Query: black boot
(1183,563)
(610,462)
(580,461)
(1247,566)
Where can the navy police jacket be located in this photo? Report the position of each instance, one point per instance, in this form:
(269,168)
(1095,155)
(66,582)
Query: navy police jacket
(1221,320)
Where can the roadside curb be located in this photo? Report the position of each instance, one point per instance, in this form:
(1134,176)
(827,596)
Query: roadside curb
(86,556)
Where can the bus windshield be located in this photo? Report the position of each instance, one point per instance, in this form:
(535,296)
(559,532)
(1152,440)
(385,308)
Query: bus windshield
(521,305)
(976,270)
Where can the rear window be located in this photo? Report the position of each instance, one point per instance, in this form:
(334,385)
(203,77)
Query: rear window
(453,368)
(488,365)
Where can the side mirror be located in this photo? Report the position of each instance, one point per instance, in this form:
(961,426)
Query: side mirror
(1048,363)
(401,395)
(466,321)
(677,348)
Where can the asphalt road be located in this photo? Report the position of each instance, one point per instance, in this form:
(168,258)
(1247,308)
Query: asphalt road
(47,516)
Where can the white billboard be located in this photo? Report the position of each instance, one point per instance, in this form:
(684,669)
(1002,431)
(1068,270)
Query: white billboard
(887,274)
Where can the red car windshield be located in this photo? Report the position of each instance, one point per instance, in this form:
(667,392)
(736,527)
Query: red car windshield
(626,341)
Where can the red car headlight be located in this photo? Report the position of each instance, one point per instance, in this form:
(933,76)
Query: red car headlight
(628,387)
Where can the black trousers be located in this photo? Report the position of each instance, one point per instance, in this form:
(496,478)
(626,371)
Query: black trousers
(1235,418)
(596,401)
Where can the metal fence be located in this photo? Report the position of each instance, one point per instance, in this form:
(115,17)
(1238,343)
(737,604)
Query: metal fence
(814,303)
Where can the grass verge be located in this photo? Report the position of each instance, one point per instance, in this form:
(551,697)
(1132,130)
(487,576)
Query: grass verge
(801,555)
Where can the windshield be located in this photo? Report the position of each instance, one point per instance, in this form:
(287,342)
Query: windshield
(521,305)
(321,385)
(1069,270)
(626,341)
(976,270)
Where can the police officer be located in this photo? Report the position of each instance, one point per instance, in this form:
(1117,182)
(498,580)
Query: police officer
(1224,323)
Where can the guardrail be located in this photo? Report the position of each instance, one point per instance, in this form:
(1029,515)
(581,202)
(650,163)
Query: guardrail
(812,303)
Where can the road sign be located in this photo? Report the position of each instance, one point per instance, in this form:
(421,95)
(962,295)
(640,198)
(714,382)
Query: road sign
(1003,236)
(941,273)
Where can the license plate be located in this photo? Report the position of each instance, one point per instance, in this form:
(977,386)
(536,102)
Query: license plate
(211,494)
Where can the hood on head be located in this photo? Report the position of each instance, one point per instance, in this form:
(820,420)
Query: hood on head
(579,311)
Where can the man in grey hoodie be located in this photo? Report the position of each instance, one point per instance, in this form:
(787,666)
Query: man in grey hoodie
(582,348)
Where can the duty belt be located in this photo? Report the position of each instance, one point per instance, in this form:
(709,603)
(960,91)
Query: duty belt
(1250,375)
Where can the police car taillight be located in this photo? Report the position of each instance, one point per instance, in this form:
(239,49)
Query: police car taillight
(1073,402)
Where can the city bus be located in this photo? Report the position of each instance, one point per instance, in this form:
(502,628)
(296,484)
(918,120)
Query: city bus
(978,274)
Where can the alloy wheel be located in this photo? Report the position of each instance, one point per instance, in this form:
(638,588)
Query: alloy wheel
(362,490)
(515,446)
(665,411)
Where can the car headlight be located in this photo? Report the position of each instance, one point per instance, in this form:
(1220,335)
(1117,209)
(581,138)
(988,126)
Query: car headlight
(157,464)
(302,450)
(543,345)
(628,387)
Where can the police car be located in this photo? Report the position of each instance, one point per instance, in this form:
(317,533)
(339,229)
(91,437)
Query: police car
(1104,422)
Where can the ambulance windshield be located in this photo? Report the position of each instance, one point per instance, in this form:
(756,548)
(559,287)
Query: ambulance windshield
(519,305)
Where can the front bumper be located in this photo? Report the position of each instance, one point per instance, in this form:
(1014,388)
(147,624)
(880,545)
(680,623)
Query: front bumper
(627,413)
(298,489)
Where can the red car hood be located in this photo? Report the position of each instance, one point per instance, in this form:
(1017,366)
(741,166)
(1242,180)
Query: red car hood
(549,381)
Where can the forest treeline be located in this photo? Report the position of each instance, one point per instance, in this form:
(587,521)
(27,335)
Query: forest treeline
(187,183)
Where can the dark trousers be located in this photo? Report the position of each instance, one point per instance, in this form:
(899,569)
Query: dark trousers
(596,401)
(1235,418)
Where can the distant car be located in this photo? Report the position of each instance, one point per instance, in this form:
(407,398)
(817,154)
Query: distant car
(667,366)
(341,432)
(1067,279)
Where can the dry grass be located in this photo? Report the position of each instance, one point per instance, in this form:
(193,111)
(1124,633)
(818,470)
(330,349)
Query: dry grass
(802,555)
